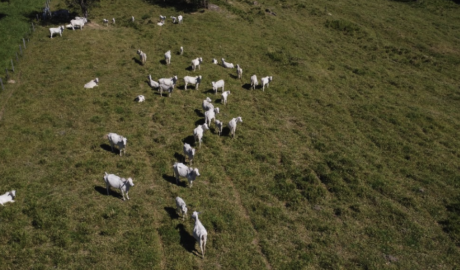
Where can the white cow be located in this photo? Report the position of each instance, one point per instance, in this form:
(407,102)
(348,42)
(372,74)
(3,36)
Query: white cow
(92,83)
(207,105)
(198,132)
(224,97)
(219,126)
(254,81)
(58,30)
(226,64)
(196,63)
(180,18)
(140,98)
(189,152)
(217,85)
(209,115)
(115,139)
(200,233)
(181,170)
(181,207)
(112,180)
(168,57)
(232,125)
(266,81)
(143,56)
(239,71)
(192,80)
(78,22)
(8,197)
(153,83)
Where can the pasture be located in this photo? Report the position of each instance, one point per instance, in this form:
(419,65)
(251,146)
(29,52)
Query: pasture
(348,160)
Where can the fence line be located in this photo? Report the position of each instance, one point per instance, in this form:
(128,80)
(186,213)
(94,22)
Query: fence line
(21,53)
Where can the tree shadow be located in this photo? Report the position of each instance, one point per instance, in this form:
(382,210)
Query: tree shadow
(199,113)
(2,15)
(179,6)
(137,61)
(60,17)
(246,86)
(103,191)
(189,139)
(179,157)
(187,240)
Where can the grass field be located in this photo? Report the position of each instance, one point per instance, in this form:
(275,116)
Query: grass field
(349,160)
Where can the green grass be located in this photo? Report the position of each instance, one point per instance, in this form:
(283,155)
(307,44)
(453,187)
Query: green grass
(349,160)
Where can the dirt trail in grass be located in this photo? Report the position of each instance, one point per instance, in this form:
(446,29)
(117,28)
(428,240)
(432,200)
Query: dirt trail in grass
(9,95)
(246,216)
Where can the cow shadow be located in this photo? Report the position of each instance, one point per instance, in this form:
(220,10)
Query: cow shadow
(172,212)
(233,76)
(163,62)
(108,148)
(137,61)
(246,86)
(199,122)
(179,157)
(103,191)
(172,180)
(209,91)
(225,132)
(199,113)
(189,68)
(218,101)
(189,139)
(186,239)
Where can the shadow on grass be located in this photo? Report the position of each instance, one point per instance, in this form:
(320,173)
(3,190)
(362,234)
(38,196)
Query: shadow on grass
(179,6)
(163,62)
(172,180)
(210,91)
(59,19)
(189,139)
(199,122)
(137,61)
(189,68)
(2,15)
(103,191)
(218,101)
(179,157)
(199,113)
(233,76)
(107,148)
(225,132)
(187,240)
(247,86)
(172,212)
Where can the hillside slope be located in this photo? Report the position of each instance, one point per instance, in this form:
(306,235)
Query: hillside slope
(348,160)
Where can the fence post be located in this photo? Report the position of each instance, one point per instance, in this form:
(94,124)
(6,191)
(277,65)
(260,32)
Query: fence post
(12,64)
(1,82)
(33,28)
(24,42)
